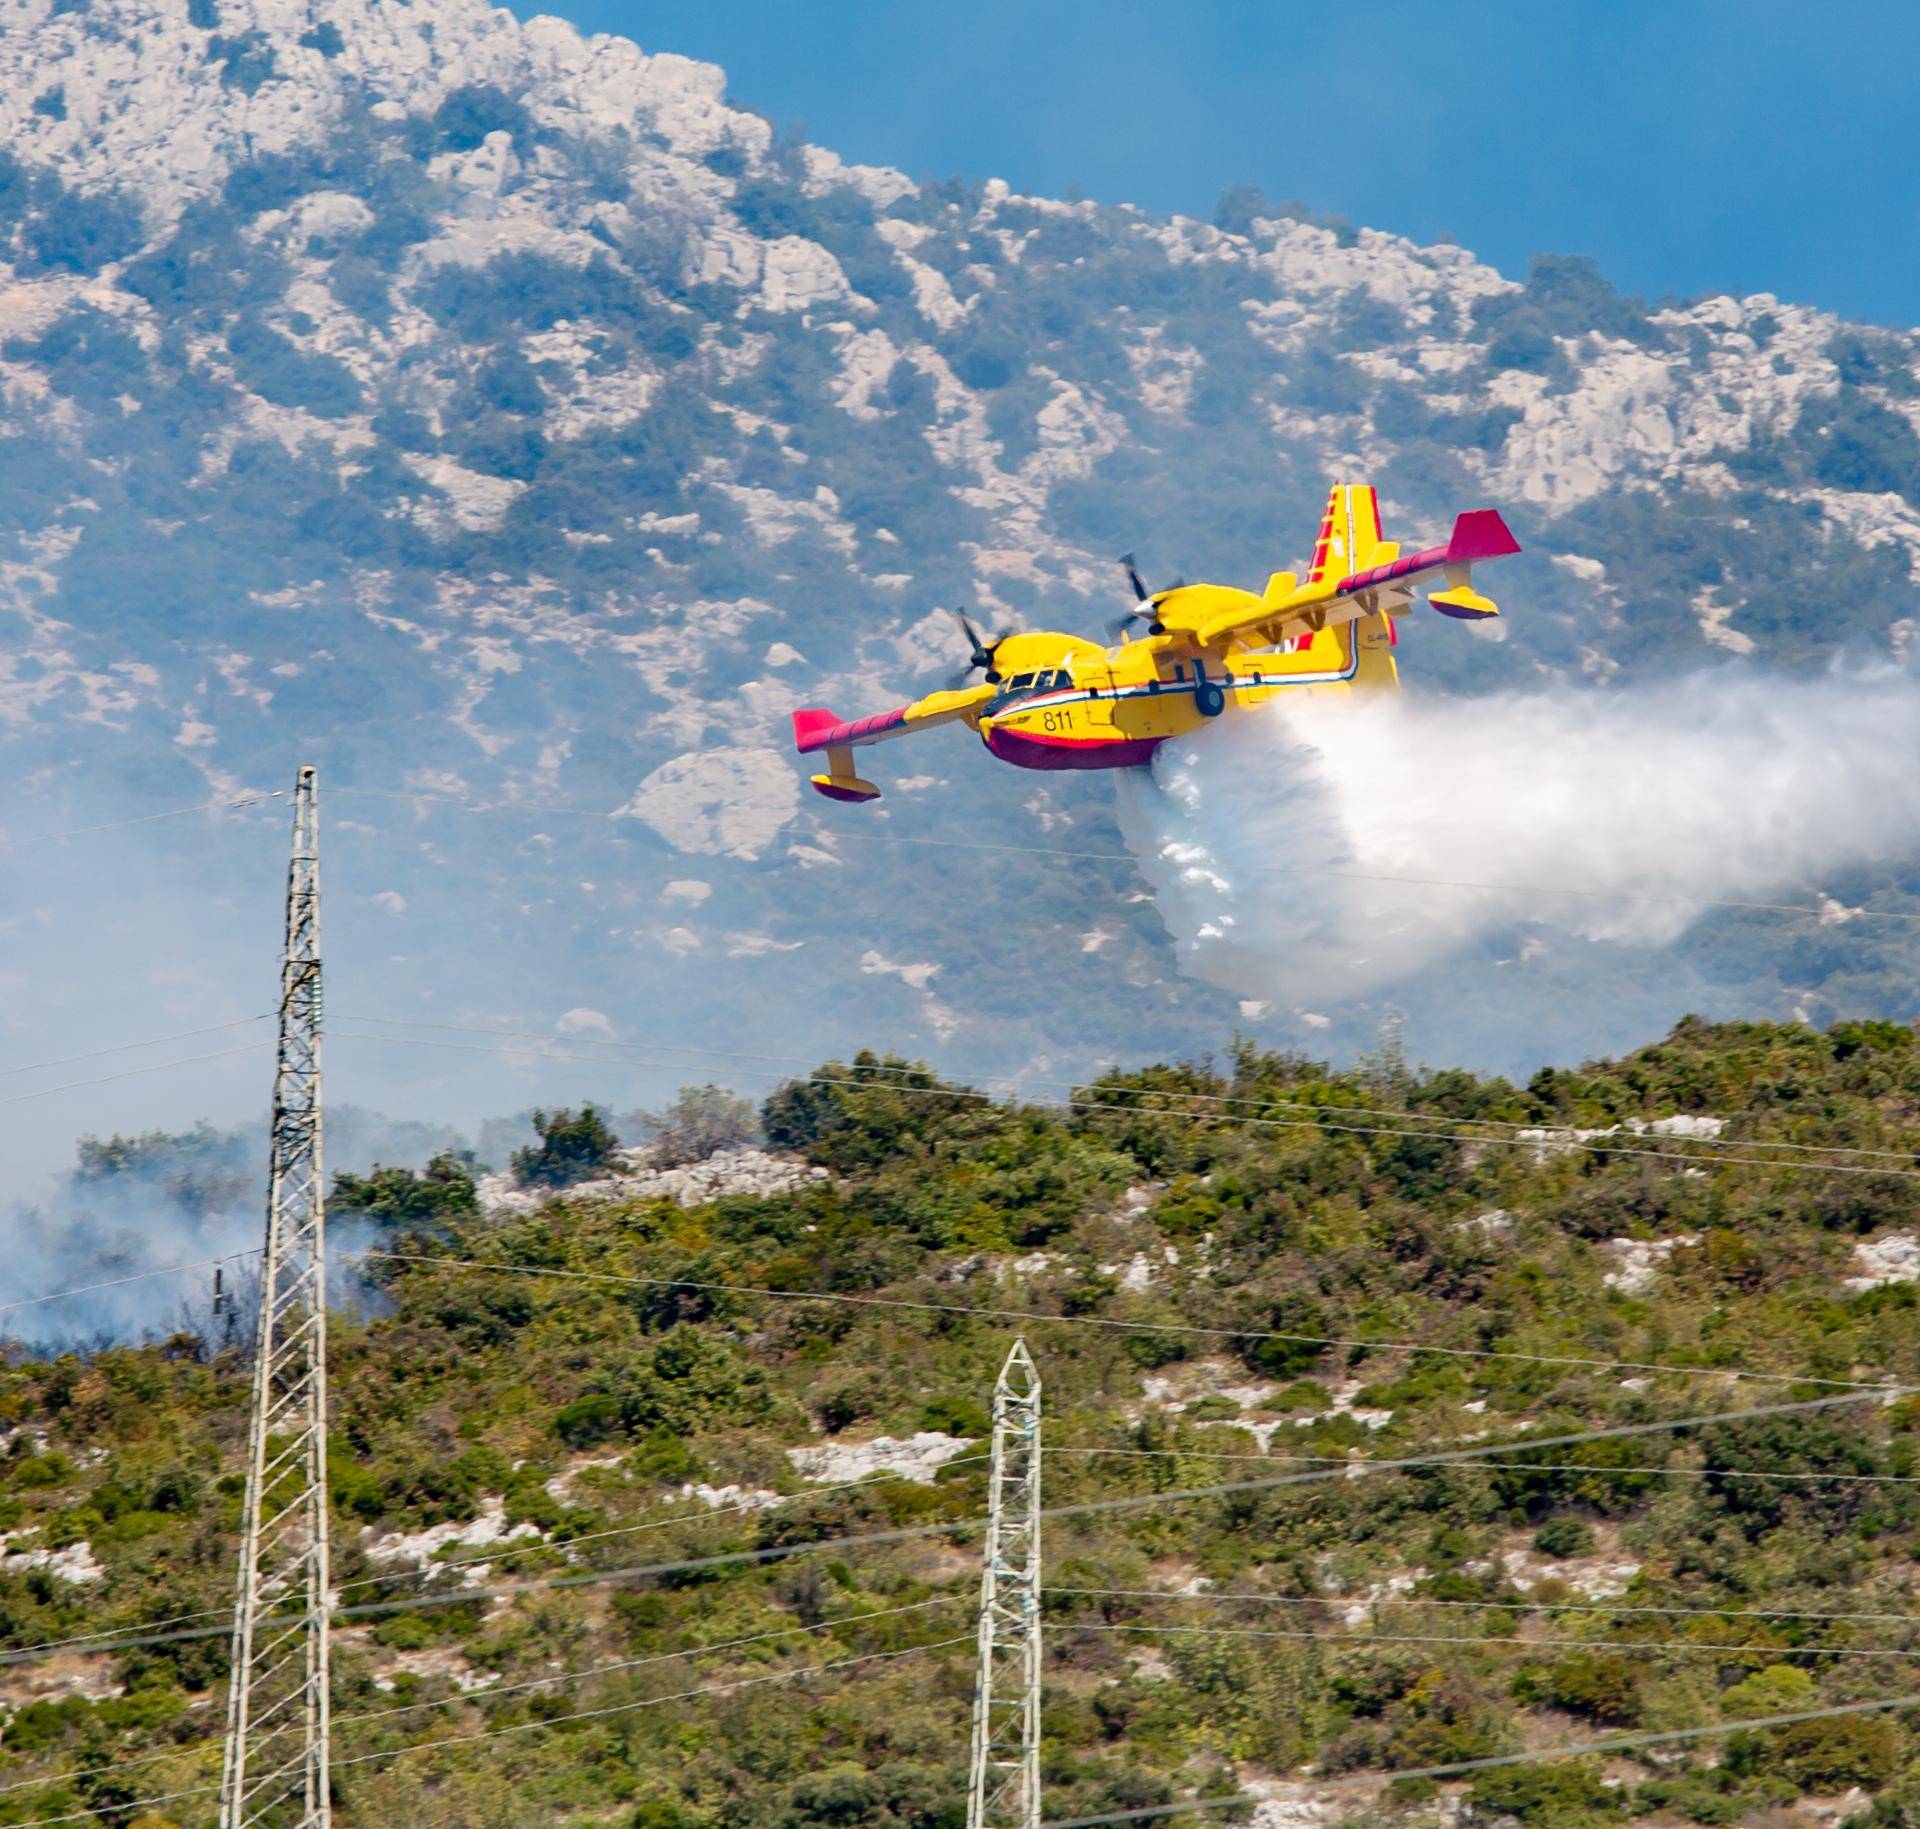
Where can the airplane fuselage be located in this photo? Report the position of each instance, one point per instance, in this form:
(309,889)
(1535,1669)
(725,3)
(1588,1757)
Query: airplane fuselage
(1067,703)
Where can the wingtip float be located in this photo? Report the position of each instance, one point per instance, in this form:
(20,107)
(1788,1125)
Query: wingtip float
(1051,701)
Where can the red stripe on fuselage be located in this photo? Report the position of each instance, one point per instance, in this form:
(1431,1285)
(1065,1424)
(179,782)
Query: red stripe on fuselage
(1025,750)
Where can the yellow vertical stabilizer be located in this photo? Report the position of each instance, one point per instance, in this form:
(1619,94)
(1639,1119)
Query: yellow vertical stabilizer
(1349,532)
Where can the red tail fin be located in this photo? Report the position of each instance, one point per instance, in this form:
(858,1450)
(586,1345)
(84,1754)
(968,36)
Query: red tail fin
(1480,534)
(810,724)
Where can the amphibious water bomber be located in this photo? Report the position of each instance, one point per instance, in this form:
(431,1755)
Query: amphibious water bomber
(1049,700)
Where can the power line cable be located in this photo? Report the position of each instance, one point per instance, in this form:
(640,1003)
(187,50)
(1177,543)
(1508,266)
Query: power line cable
(566,1677)
(1338,1640)
(756,1506)
(1035,1316)
(1667,898)
(1074,1104)
(474,806)
(1517,1605)
(492,1692)
(1339,1465)
(951,1527)
(521,1727)
(142,819)
(1460,1768)
(1629,1472)
(1547,1141)
(1177,1807)
(1341,1640)
(154,1041)
(84,1643)
(191,1060)
(138,1276)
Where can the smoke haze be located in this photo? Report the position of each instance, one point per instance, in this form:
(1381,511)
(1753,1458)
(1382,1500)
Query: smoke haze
(1544,843)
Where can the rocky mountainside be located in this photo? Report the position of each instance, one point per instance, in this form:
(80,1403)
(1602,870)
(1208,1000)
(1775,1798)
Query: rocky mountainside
(489,411)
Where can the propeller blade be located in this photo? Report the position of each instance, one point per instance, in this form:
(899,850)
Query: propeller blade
(980,652)
(1140,591)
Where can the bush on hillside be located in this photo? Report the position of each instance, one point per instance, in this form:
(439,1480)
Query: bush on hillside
(701,1121)
(574,1146)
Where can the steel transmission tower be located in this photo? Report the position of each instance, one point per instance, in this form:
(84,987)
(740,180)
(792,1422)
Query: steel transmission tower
(275,1771)
(1003,1790)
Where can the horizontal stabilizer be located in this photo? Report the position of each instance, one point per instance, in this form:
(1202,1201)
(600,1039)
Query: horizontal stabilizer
(817,728)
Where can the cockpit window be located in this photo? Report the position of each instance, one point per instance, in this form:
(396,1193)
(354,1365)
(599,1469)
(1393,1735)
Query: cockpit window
(1021,682)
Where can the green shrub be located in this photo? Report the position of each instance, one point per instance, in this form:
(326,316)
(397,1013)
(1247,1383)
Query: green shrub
(588,1420)
(573,1146)
(1564,1537)
(1603,1687)
(443,1190)
(1568,1796)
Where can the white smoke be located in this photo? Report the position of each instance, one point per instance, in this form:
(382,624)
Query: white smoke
(135,1204)
(1454,854)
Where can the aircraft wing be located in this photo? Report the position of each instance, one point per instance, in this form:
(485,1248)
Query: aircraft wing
(1389,583)
(818,729)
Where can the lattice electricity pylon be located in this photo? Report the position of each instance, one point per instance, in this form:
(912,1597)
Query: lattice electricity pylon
(1003,1790)
(275,1772)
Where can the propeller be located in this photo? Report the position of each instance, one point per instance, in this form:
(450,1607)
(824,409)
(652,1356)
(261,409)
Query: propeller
(1143,610)
(980,655)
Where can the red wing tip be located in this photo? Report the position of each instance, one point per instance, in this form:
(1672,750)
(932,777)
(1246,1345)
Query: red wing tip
(1480,534)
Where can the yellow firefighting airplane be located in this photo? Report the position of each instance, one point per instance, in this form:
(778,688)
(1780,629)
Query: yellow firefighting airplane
(1059,701)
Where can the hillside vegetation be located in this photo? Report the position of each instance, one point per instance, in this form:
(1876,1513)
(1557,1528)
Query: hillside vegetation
(1224,1293)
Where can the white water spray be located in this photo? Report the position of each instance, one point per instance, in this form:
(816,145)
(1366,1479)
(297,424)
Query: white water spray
(1432,852)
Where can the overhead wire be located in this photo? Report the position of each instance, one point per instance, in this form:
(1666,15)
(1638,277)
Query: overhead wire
(1337,1640)
(493,1691)
(143,819)
(471,805)
(1175,1807)
(1341,1640)
(755,1506)
(1584,1467)
(907,1533)
(834,834)
(384,1754)
(152,1041)
(138,1276)
(1517,1604)
(1549,1137)
(1078,1104)
(84,1644)
(127,1073)
(1039,1317)
(1666,898)
(1136,1093)
(1461,1768)
(1342,1470)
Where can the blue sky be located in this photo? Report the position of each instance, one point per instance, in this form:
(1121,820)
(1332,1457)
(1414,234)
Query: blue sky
(1689,147)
